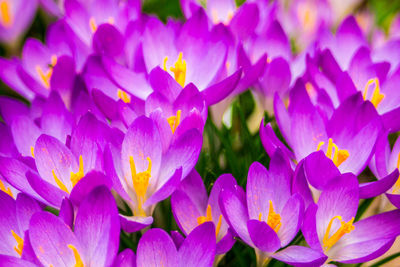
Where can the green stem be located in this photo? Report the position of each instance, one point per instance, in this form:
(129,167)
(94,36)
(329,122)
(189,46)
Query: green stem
(385,260)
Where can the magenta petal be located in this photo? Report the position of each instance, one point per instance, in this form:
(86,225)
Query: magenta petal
(198,249)
(291,218)
(300,184)
(25,134)
(47,191)
(134,223)
(309,228)
(271,142)
(185,211)
(166,189)
(125,259)
(319,169)
(50,238)
(157,249)
(10,261)
(217,92)
(263,236)
(194,188)
(67,212)
(87,184)
(394,199)
(376,188)
(300,256)
(258,191)
(25,208)
(97,227)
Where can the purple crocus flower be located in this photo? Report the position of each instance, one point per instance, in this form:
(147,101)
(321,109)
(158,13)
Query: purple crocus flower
(15,218)
(329,226)
(191,206)
(95,238)
(156,248)
(268,217)
(347,134)
(15,18)
(143,174)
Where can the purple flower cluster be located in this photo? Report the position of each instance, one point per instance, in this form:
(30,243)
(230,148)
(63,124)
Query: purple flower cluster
(115,104)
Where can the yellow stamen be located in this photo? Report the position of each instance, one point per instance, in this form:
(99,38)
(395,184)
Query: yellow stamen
(32,152)
(396,187)
(377,96)
(165,64)
(345,228)
(6,190)
(78,259)
(338,156)
(92,24)
(269,60)
(60,184)
(5,14)
(311,90)
(274,219)
(46,76)
(20,243)
(140,183)
(179,69)
(124,96)
(208,218)
(174,121)
(76,177)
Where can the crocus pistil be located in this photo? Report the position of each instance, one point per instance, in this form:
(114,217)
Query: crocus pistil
(179,69)
(5,14)
(75,176)
(377,96)
(124,96)
(20,243)
(208,218)
(5,189)
(174,121)
(78,259)
(345,228)
(338,156)
(273,219)
(140,183)
(46,76)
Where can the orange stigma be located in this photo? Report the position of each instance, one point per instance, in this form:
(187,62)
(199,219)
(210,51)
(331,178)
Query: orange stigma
(46,76)
(179,69)
(77,256)
(174,121)
(20,243)
(75,177)
(124,96)
(377,96)
(396,186)
(6,18)
(140,183)
(6,190)
(208,218)
(273,219)
(345,228)
(338,156)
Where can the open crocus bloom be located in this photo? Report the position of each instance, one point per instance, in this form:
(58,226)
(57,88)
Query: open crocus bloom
(329,225)
(143,174)
(346,135)
(272,216)
(15,17)
(15,218)
(156,248)
(191,207)
(94,241)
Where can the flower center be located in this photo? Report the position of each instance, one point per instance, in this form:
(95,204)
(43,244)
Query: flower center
(208,218)
(93,24)
(140,183)
(45,76)
(5,14)
(124,96)
(338,156)
(5,189)
(377,96)
(216,20)
(75,177)
(307,16)
(174,121)
(179,69)
(20,243)
(78,259)
(345,228)
(273,219)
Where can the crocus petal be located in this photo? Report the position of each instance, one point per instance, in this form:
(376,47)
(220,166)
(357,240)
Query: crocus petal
(194,188)
(134,223)
(177,238)
(198,249)
(25,207)
(291,218)
(97,227)
(300,256)
(373,189)
(263,236)
(300,184)
(50,238)
(156,248)
(394,199)
(185,211)
(217,92)
(25,133)
(309,227)
(67,212)
(319,169)
(10,261)
(125,259)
